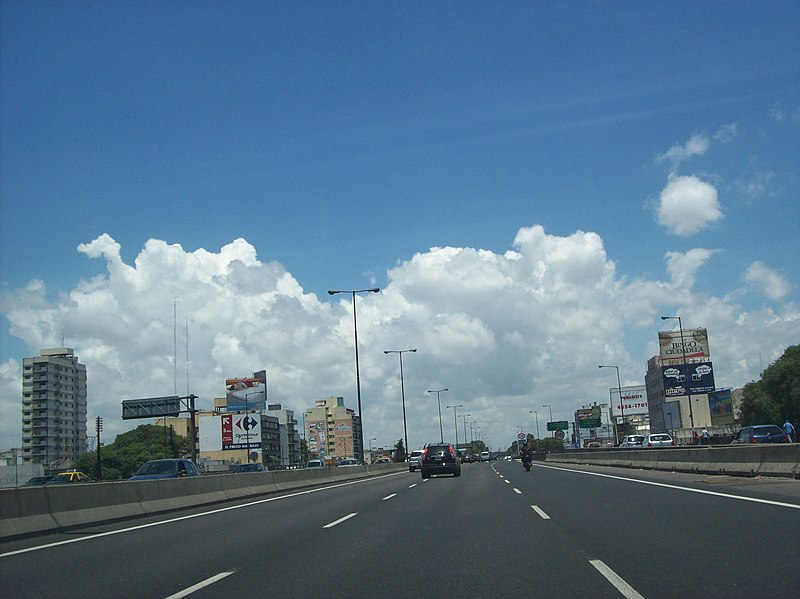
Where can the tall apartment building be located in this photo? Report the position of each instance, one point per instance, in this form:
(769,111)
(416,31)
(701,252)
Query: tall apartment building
(53,407)
(333,429)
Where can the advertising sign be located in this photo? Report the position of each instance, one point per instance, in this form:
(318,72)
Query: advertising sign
(247,393)
(588,417)
(688,379)
(720,404)
(240,431)
(695,344)
(634,400)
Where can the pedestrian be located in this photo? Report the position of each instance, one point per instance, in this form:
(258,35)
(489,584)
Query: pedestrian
(790,431)
(696,439)
(704,437)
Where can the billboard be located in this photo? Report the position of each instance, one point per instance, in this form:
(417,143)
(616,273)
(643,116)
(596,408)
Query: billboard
(317,439)
(247,393)
(695,344)
(688,379)
(720,404)
(229,431)
(634,400)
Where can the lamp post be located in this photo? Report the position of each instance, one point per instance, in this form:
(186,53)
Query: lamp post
(455,421)
(355,337)
(535,413)
(621,403)
(464,419)
(441,430)
(400,352)
(551,410)
(683,351)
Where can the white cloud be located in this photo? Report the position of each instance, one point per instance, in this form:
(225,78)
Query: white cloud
(688,205)
(504,332)
(767,281)
(726,133)
(696,145)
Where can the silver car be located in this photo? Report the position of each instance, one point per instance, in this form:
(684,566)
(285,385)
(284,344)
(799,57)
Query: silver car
(658,440)
(414,459)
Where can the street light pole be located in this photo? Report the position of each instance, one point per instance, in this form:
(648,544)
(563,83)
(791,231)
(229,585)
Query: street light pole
(358,375)
(400,352)
(551,410)
(464,419)
(535,413)
(441,430)
(455,421)
(621,404)
(683,351)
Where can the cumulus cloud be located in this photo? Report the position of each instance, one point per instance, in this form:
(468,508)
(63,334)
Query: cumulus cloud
(767,281)
(688,205)
(504,332)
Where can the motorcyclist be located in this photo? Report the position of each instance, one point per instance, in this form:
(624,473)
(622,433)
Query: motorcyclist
(526,455)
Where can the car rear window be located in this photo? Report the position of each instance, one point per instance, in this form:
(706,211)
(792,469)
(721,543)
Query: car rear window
(438,450)
(659,438)
(762,431)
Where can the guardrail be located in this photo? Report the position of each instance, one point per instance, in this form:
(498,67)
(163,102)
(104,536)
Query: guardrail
(28,511)
(779,459)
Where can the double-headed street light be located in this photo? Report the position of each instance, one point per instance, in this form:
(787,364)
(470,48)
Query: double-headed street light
(535,413)
(683,351)
(621,403)
(441,430)
(358,376)
(400,352)
(455,421)
(551,411)
(464,418)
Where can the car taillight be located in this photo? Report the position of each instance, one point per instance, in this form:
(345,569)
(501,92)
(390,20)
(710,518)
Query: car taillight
(753,440)
(649,444)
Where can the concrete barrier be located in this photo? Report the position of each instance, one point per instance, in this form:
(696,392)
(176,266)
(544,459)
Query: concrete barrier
(34,510)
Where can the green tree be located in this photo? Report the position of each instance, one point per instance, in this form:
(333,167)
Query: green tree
(122,458)
(399,451)
(776,397)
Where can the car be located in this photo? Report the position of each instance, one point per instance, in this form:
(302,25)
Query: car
(474,458)
(632,441)
(166,468)
(440,458)
(242,468)
(466,458)
(383,460)
(414,458)
(315,463)
(485,456)
(37,481)
(71,476)
(348,463)
(760,433)
(658,440)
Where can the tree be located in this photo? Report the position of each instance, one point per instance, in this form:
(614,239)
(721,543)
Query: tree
(122,458)
(399,451)
(776,397)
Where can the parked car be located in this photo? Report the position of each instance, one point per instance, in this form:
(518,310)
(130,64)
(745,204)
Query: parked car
(658,440)
(414,458)
(71,476)
(760,433)
(440,458)
(241,468)
(632,441)
(166,468)
(38,481)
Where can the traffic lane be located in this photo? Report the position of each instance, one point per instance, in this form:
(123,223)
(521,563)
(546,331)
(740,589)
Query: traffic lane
(469,536)
(668,540)
(177,551)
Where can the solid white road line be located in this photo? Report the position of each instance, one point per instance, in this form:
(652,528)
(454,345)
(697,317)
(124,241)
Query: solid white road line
(340,520)
(612,577)
(389,496)
(200,585)
(540,511)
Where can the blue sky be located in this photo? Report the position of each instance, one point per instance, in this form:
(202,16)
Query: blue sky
(642,158)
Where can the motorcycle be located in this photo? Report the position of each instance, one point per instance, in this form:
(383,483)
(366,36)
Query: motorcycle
(526,461)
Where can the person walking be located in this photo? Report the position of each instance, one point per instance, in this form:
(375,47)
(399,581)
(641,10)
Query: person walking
(790,431)
(704,437)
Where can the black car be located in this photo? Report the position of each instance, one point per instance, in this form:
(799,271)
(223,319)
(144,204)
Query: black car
(440,458)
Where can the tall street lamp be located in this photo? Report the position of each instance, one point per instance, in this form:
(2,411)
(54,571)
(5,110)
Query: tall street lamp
(400,352)
(683,350)
(621,403)
(535,413)
(358,376)
(464,418)
(455,421)
(551,410)
(371,454)
(441,430)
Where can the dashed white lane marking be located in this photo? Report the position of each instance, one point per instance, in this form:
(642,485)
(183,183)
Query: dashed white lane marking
(614,578)
(517,491)
(389,496)
(196,587)
(412,486)
(340,520)
(540,511)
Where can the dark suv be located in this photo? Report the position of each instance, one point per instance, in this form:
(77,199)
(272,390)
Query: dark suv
(440,458)
(760,433)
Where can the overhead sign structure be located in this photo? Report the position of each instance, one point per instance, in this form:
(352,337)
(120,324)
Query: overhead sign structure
(688,379)
(151,407)
(558,425)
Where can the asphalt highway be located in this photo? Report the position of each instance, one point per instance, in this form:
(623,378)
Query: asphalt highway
(496,531)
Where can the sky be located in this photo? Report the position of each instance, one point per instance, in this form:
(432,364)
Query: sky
(531,186)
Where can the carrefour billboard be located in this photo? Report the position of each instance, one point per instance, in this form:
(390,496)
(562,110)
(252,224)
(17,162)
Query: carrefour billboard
(221,432)
(688,379)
